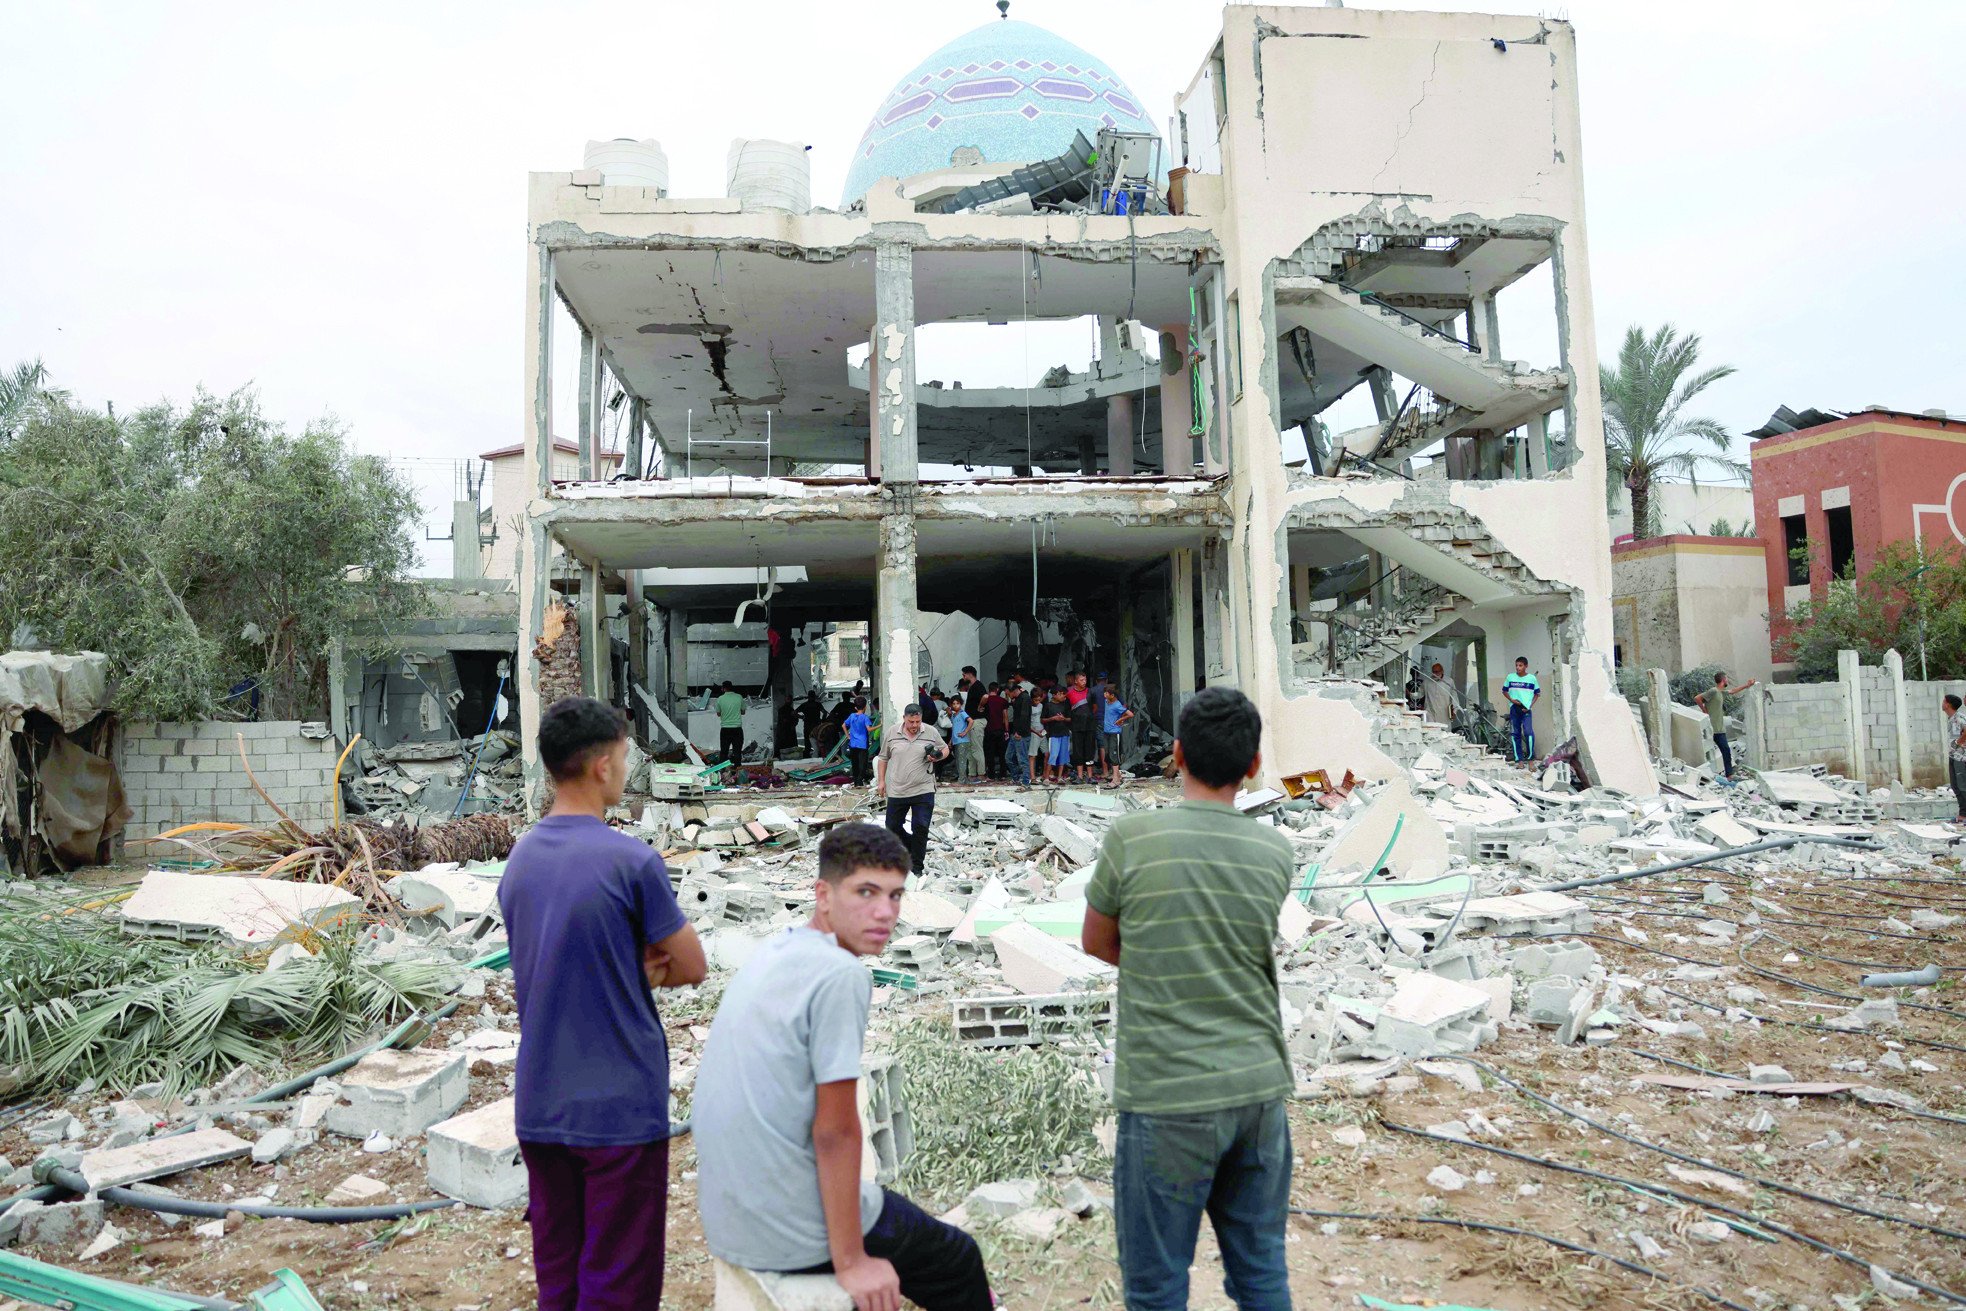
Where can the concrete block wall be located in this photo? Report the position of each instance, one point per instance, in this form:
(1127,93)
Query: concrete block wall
(181,773)
(1877,711)
(1807,724)
(1929,739)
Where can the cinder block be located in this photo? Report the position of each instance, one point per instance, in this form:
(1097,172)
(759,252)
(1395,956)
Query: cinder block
(474,1157)
(174,729)
(756,1290)
(399,1093)
(1037,964)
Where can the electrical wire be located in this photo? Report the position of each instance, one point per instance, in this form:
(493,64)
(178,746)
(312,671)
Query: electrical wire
(1919,1111)
(1380,1217)
(1645,1186)
(1757,1180)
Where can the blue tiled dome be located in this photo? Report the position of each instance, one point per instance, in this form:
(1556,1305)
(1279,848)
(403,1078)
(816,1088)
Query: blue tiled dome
(1014,91)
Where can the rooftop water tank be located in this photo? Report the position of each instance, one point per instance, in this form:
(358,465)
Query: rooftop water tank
(626,162)
(770,175)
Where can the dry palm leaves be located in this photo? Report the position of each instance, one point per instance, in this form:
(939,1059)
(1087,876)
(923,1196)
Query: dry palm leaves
(356,854)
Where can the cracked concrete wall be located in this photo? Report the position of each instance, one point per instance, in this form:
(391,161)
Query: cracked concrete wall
(1334,110)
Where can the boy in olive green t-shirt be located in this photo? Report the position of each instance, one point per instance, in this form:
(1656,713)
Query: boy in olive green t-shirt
(1184,901)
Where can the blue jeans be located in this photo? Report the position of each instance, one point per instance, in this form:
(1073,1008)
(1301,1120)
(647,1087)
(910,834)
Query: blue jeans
(1522,732)
(1170,1170)
(1017,756)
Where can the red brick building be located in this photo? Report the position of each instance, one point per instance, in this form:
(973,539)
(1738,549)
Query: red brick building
(1829,496)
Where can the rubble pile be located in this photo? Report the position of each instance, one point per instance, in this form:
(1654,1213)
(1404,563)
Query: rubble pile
(1436,917)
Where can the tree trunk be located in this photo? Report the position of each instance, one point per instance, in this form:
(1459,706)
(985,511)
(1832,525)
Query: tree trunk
(1641,491)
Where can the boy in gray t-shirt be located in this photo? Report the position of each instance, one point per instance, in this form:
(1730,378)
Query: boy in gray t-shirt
(778,1139)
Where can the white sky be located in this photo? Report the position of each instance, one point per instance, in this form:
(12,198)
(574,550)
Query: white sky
(329,202)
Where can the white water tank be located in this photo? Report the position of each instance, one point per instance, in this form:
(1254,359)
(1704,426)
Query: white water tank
(626,162)
(770,175)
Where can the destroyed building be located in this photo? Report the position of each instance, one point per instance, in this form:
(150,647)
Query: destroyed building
(1354,211)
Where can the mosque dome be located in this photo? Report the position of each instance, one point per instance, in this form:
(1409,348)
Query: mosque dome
(1013,91)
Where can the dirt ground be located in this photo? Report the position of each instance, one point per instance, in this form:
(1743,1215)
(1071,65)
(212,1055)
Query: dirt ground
(1821,931)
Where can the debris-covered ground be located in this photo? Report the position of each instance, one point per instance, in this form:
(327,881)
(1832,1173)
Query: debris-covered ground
(1516,1089)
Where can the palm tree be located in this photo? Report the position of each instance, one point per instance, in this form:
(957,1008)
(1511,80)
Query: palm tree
(22,389)
(1645,435)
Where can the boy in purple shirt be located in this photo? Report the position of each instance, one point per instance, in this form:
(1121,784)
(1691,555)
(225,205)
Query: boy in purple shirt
(594,928)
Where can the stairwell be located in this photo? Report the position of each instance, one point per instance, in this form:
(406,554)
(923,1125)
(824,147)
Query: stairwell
(1406,735)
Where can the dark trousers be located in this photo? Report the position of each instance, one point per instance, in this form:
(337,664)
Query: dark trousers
(863,772)
(993,765)
(1957,770)
(1522,733)
(599,1219)
(1726,755)
(939,1265)
(1170,1170)
(919,812)
(730,744)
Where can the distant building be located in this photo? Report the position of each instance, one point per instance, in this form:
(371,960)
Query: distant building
(1683,600)
(1683,508)
(1831,491)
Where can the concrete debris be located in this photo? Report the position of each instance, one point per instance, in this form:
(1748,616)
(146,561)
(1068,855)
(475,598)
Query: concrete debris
(1002,1199)
(358,1190)
(1447,1179)
(243,911)
(398,1093)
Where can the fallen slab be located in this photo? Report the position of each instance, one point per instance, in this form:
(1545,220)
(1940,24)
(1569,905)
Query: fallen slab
(159,1157)
(246,912)
(1420,850)
(1037,964)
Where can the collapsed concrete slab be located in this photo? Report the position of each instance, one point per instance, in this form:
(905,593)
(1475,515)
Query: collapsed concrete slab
(245,912)
(1037,964)
(1420,850)
(159,1157)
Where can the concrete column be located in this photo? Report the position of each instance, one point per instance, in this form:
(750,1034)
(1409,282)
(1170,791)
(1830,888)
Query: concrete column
(1088,453)
(1659,712)
(1754,730)
(1850,680)
(594,645)
(1491,336)
(535,549)
(1539,446)
(1119,435)
(588,368)
(1183,611)
(895,619)
(632,465)
(873,413)
(1217,636)
(638,646)
(1177,446)
(1380,380)
(891,365)
(675,631)
(1216,446)
(338,693)
(1894,669)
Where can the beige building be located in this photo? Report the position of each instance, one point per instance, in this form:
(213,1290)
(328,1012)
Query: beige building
(1684,509)
(1685,601)
(1337,226)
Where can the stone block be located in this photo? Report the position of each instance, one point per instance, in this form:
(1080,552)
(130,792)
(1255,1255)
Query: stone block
(399,1093)
(756,1290)
(1077,843)
(358,1190)
(66,1226)
(474,1157)
(1037,964)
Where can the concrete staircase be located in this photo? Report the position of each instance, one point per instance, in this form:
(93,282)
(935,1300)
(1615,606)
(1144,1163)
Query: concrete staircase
(1386,636)
(1498,394)
(1405,735)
